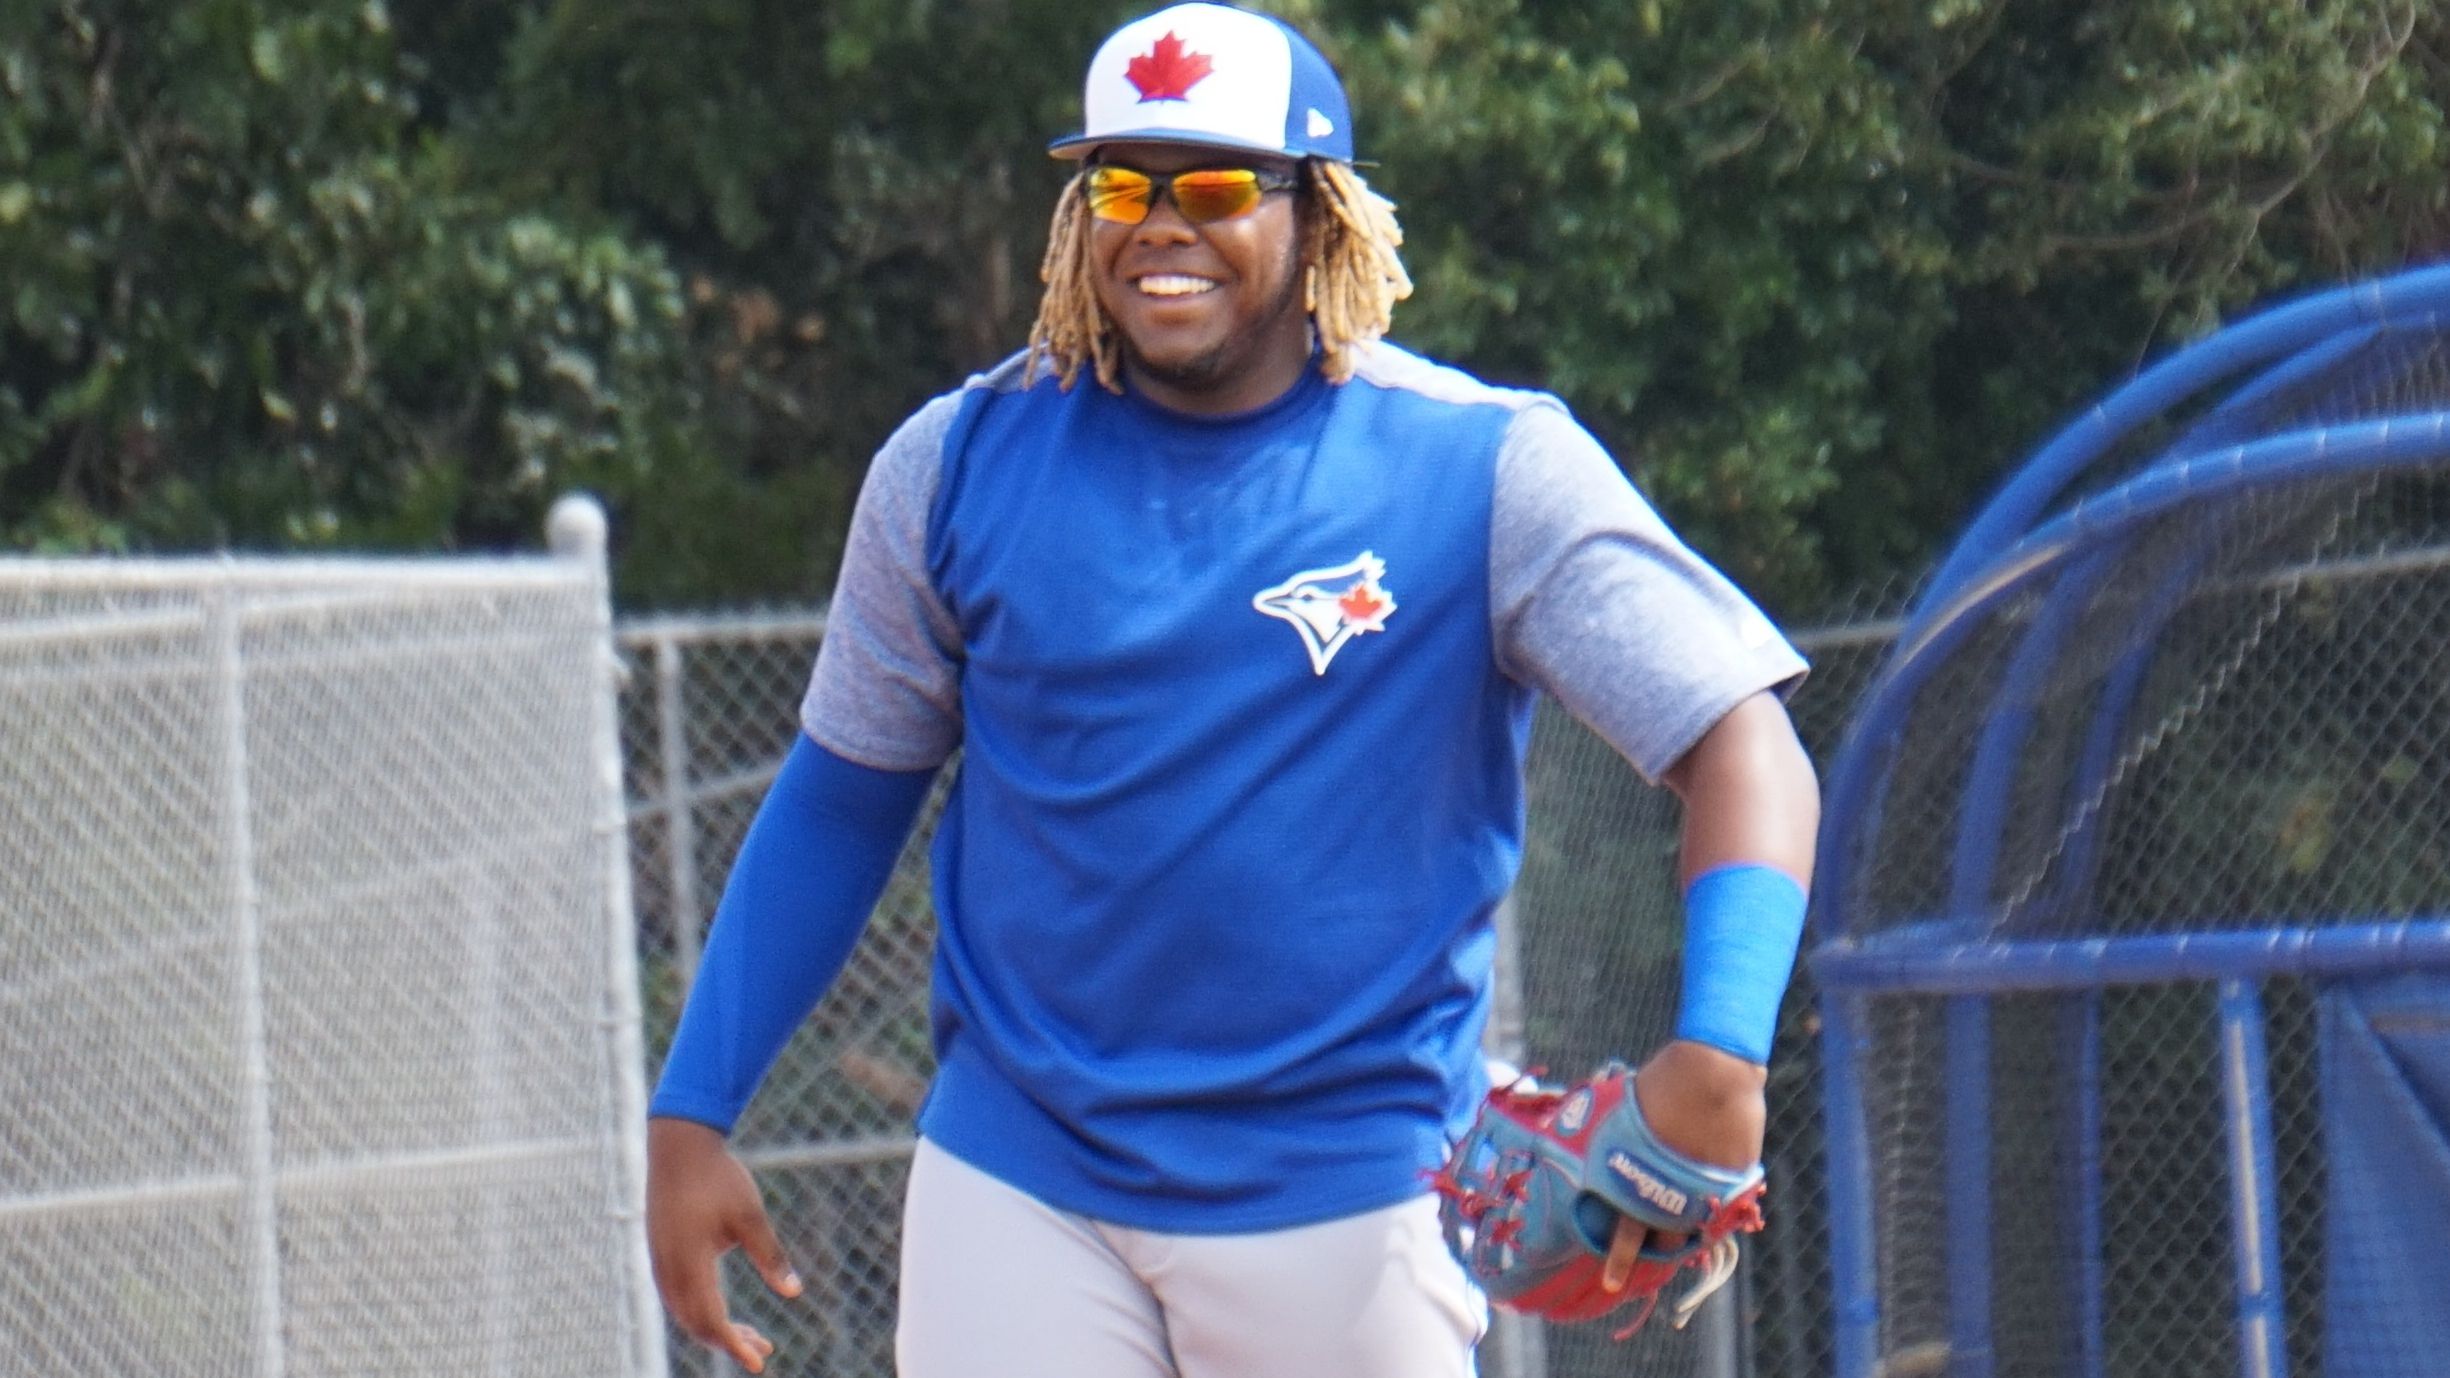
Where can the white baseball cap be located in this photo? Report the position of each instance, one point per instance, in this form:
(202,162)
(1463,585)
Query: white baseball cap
(1216,76)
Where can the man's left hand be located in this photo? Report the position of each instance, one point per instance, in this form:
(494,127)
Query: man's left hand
(1704,1103)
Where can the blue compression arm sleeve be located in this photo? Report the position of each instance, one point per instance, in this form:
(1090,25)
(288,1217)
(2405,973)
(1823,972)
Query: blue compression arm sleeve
(815,859)
(1742,924)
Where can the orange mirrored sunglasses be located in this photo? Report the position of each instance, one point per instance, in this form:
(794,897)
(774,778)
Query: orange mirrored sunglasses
(1125,195)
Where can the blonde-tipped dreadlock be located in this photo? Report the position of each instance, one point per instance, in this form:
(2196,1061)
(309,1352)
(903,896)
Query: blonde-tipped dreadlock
(1355,276)
(1351,279)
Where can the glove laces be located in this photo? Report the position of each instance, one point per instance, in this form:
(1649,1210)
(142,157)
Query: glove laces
(1717,1263)
(1717,1266)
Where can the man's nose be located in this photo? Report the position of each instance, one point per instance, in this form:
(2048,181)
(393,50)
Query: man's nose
(1164,223)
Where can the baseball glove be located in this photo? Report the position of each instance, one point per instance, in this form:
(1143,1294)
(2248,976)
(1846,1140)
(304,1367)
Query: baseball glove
(1531,1195)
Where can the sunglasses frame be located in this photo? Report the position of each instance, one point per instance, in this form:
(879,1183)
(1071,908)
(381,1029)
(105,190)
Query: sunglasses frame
(1161,188)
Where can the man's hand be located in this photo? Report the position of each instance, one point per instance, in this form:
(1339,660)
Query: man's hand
(1534,1196)
(1703,1103)
(701,1204)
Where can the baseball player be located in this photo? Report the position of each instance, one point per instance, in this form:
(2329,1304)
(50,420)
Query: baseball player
(1236,615)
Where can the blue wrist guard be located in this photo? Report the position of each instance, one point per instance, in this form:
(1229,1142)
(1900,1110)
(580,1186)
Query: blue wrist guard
(1742,924)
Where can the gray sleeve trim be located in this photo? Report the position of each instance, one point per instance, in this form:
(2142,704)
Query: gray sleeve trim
(886,691)
(1593,599)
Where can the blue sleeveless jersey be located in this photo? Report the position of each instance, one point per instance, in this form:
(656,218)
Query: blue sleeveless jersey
(1240,790)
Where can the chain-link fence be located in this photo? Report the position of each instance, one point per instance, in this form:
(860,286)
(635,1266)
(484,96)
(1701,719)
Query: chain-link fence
(317,1014)
(710,708)
(2312,780)
(2279,773)
(1599,932)
(2147,812)
(293,1094)
(2223,720)
(1594,941)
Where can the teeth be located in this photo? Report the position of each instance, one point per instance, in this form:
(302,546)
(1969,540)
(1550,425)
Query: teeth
(1175,285)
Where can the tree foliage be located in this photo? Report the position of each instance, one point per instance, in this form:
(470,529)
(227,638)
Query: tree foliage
(249,304)
(1820,271)
(323,273)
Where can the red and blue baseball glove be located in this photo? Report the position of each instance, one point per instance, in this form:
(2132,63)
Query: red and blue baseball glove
(1531,1196)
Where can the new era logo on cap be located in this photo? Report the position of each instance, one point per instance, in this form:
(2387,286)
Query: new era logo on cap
(1212,74)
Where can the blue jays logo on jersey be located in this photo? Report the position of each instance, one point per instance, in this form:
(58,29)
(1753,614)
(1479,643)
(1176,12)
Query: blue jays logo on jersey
(1329,607)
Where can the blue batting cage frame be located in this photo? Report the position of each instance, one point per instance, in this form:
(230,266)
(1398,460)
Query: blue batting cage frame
(2051,536)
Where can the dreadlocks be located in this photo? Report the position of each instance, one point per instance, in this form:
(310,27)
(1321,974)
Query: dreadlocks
(1351,280)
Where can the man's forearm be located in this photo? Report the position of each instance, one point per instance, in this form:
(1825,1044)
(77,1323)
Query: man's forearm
(1752,807)
(815,859)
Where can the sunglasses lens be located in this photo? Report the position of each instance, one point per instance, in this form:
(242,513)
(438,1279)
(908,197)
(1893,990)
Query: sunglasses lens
(1216,193)
(1124,195)
(1119,194)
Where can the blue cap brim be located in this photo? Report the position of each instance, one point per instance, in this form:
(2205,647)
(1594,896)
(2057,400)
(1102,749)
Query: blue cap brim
(1081,145)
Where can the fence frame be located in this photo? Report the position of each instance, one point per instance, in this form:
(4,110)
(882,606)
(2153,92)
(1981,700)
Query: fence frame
(232,597)
(2013,547)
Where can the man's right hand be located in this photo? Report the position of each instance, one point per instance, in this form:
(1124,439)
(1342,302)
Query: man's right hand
(701,1204)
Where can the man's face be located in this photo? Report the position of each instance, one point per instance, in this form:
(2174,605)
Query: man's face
(1210,314)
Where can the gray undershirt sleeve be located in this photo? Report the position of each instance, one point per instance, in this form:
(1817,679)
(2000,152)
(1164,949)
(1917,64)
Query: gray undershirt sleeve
(1593,599)
(886,691)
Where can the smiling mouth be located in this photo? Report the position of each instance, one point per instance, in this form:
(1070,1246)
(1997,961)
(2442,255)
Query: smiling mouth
(1173,285)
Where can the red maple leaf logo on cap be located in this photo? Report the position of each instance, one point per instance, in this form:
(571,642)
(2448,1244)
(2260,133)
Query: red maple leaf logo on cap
(1166,72)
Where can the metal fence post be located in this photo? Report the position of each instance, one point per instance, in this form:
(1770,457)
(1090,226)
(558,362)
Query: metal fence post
(1720,1331)
(1520,1342)
(577,530)
(680,816)
(261,1197)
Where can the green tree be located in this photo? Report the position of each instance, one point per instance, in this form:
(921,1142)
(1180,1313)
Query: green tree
(250,304)
(856,192)
(1819,271)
